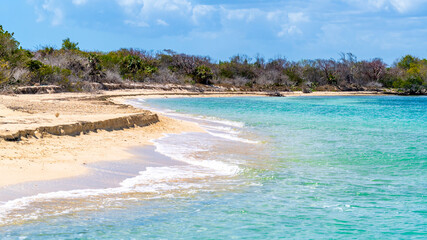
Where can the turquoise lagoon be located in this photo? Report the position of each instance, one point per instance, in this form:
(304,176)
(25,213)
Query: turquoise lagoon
(266,168)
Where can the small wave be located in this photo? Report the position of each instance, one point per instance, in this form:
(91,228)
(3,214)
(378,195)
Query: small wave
(154,181)
(222,128)
(222,121)
(165,174)
(181,153)
(230,130)
(232,138)
(142,104)
(198,118)
(228,133)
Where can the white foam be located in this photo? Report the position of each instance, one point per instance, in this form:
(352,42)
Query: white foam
(181,153)
(169,112)
(221,121)
(223,128)
(217,127)
(164,174)
(231,137)
(230,130)
(155,180)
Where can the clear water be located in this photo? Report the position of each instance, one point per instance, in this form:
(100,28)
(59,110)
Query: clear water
(295,167)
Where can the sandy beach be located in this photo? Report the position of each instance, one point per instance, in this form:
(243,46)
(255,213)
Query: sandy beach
(52,157)
(44,156)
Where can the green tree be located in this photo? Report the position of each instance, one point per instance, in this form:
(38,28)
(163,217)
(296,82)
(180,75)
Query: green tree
(406,61)
(68,45)
(414,78)
(8,44)
(10,50)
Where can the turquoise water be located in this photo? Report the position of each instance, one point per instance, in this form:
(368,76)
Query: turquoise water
(295,167)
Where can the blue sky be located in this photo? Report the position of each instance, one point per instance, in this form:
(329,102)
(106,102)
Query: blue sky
(309,29)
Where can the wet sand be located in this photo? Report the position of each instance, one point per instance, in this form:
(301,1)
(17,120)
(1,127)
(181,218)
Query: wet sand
(100,175)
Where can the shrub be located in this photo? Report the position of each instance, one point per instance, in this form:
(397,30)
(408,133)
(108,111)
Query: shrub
(110,60)
(133,67)
(68,45)
(4,69)
(130,65)
(293,74)
(34,65)
(203,74)
(235,69)
(95,69)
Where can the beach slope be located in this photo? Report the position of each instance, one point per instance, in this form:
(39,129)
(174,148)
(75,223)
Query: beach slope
(45,137)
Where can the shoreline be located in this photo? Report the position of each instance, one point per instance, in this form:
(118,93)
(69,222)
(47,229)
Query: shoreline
(100,175)
(53,157)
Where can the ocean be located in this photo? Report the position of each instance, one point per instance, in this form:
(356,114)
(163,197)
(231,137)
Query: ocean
(266,168)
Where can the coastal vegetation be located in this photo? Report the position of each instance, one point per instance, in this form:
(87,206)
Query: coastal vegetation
(72,69)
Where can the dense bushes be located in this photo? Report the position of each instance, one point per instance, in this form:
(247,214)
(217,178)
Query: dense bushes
(413,75)
(76,70)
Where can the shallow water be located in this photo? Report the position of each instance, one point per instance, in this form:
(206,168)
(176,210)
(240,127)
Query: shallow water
(295,167)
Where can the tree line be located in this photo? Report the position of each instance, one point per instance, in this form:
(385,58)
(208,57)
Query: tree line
(75,70)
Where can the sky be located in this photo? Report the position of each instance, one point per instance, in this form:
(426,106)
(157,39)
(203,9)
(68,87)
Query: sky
(310,29)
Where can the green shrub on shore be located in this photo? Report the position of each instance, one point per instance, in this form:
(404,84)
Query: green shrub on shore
(133,67)
(203,74)
(413,75)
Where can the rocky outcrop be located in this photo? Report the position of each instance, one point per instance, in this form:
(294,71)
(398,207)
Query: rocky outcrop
(74,129)
(275,94)
(115,86)
(37,89)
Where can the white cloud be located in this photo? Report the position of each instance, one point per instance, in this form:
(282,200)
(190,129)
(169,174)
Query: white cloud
(402,6)
(298,17)
(136,23)
(162,22)
(147,7)
(55,12)
(246,15)
(292,24)
(202,11)
(406,5)
(289,30)
(79,2)
(131,6)
(275,15)
(149,12)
